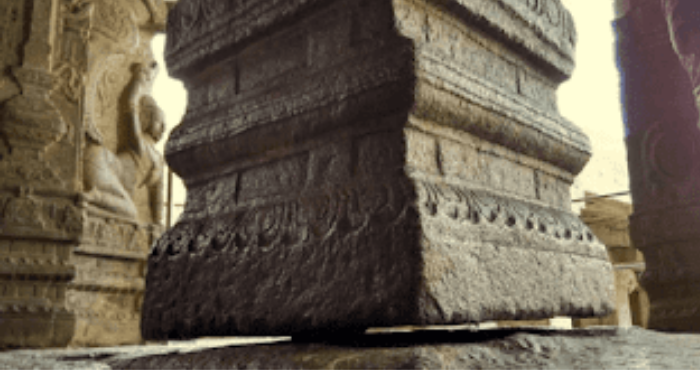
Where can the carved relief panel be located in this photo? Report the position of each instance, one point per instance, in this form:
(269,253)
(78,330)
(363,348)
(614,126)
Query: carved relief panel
(78,165)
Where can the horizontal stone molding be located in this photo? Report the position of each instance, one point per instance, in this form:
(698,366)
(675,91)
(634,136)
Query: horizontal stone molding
(395,221)
(113,237)
(23,309)
(199,29)
(29,216)
(498,94)
(36,269)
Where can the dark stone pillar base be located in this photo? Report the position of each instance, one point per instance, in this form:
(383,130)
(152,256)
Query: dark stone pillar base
(372,163)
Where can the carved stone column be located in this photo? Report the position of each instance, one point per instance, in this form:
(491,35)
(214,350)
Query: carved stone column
(372,163)
(662,144)
(71,271)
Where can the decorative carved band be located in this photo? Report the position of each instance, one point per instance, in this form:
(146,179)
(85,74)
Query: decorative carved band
(118,238)
(351,210)
(59,218)
(40,268)
(23,308)
(223,23)
(485,216)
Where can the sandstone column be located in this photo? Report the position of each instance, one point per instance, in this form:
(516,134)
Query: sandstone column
(372,163)
(662,142)
(71,260)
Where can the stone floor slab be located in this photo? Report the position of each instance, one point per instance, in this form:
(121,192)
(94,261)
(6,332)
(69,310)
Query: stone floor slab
(599,348)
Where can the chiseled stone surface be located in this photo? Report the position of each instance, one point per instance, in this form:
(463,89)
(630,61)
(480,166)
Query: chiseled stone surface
(372,163)
(80,178)
(600,348)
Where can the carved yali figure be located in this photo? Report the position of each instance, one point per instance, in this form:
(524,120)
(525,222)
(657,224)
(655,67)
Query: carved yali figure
(111,180)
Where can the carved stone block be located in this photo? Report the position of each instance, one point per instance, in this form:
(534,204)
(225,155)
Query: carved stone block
(372,163)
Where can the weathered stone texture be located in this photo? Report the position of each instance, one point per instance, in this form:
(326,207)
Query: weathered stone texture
(371,163)
(78,207)
(609,221)
(662,140)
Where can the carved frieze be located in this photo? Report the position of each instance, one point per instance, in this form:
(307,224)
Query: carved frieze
(29,173)
(45,216)
(111,237)
(75,26)
(49,268)
(358,205)
(330,226)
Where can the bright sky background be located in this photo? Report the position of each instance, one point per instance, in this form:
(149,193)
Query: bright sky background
(590,99)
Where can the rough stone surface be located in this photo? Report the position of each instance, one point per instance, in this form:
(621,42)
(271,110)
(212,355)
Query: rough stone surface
(80,179)
(600,348)
(659,79)
(609,221)
(372,163)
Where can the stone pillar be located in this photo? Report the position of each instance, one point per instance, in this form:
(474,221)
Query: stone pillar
(609,221)
(660,118)
(72,262)
(352,164)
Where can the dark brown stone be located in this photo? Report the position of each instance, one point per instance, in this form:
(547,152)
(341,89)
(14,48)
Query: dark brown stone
(662,144)
(372,163)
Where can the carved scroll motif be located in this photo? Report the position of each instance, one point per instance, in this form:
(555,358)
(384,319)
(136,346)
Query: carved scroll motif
(114,21)
(76,24)
(100,94)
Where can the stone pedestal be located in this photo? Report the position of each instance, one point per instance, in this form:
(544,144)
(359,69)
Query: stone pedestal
(372,163)
(662,143)
(72,265)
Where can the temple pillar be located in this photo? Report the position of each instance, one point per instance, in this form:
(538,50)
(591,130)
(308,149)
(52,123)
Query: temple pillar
(72,267)
(609,221)
(660,118)
(355,164)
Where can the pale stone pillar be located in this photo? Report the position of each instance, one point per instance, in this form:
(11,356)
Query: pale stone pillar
(662,142)
(609,221)
(73,235)
(372,163)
